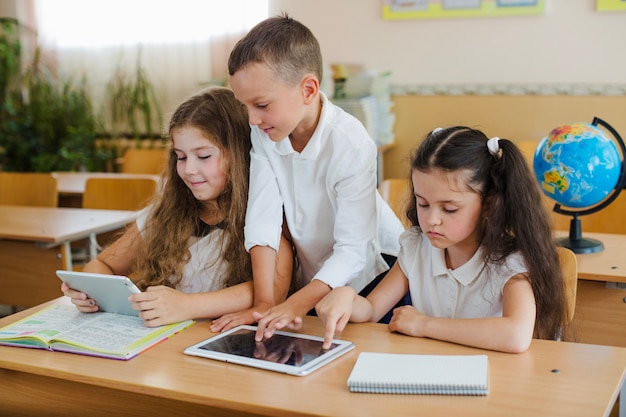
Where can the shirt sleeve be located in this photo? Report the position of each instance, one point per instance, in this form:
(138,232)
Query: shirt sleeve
(355,223)
(265,205)
(142,218)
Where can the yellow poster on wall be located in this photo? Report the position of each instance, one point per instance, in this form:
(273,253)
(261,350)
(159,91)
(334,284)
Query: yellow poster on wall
(433,9)
(610,5)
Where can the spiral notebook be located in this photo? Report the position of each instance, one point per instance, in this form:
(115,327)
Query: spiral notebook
(389,373)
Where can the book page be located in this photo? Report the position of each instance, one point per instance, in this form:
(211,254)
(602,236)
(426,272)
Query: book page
(109,332)
(46,324)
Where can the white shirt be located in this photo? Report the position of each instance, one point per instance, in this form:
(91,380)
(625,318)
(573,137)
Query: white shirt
(338,221)
(473,290)
(206,267)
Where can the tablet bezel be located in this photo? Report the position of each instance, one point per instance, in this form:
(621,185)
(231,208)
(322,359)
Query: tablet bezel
(109,291)
(340,348)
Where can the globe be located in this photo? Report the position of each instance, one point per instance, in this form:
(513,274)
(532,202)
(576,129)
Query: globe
(577,165)
(580,167)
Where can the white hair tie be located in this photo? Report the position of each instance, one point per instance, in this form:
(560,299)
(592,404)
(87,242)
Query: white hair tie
(493,145)
(437,129)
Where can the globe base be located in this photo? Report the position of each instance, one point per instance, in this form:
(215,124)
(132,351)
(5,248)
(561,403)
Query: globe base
(583,245)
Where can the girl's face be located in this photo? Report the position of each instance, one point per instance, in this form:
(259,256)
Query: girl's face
(448,212)
(201,164)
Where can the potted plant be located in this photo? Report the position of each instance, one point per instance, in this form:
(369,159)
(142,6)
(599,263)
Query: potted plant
(46,123)
(132,108)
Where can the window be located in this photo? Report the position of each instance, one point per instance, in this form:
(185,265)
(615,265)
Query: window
(182,45)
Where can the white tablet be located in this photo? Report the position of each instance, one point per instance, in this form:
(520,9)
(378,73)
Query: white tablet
(290,353)
(109,291)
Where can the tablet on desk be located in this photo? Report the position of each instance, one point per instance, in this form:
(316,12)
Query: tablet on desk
(290,353)
(109,291)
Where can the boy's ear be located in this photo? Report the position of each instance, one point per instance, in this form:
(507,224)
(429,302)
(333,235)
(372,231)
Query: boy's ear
(310,88)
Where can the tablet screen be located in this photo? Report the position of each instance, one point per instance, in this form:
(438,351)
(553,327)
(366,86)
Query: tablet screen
(279,348)
(292,353)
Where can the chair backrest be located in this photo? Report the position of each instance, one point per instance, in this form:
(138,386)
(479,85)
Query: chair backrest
(28,189)
(118,193)
(569,266)
(395,191)
(144,161)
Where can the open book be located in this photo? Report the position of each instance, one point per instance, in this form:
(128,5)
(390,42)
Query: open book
(388,373)
(62,327)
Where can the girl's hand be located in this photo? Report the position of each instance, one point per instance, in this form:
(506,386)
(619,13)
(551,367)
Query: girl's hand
(161,305)
(83,303)
(334,310)
(408,320)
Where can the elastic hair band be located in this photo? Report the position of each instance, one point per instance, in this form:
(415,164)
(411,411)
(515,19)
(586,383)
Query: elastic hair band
(493,145)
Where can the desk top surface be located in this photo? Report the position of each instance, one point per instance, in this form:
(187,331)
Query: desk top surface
(74,182)
(58,224)
(607,265)
(587,382)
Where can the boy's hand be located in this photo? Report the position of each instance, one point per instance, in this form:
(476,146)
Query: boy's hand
(334,310)
(83,303)
(276,318)
(228,321)
(290,312)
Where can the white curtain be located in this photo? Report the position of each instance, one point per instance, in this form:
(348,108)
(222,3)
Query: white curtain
(182,45)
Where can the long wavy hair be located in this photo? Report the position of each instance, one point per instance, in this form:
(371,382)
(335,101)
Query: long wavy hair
(513,218)
(176,212)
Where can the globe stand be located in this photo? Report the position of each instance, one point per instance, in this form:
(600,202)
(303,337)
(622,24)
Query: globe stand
(575,242)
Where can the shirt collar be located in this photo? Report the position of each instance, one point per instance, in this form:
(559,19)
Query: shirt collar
(465,274)
(313,148)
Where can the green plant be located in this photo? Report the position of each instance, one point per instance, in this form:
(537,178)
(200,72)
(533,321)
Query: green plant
(46,123)
(10,59)
(131,105)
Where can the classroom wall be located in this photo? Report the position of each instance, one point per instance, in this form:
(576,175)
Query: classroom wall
(570,43)
(513,77)
(519,118)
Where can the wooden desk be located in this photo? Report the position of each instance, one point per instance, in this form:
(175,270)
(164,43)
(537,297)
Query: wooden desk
(165,382)
(606,265)
(30,242)
(600,315)
(380,170)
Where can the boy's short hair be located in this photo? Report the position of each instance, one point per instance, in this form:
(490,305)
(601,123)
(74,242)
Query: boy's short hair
(285,45)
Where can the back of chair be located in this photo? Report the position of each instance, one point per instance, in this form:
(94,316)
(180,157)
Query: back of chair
(144,161)
(28,189)
(569,266)
(118,193)
(395,191)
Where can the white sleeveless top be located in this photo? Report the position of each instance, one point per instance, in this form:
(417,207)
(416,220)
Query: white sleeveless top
(206,269)
(473,290)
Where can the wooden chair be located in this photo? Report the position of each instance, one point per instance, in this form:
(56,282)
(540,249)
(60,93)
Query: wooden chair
(113,194)
(28,189)
(569,266)
(144,161)
(395,191)
(118,193)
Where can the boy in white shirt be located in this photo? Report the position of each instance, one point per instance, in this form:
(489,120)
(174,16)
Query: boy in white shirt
(313,165)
